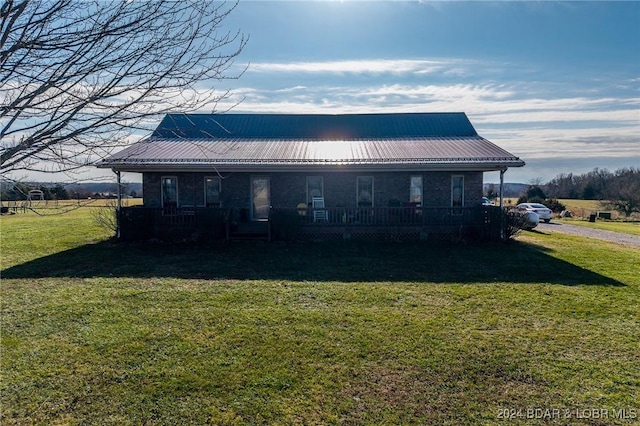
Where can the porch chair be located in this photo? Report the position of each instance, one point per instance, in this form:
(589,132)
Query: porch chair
(319,215)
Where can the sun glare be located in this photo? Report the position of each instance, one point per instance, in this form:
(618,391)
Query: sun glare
(333,150)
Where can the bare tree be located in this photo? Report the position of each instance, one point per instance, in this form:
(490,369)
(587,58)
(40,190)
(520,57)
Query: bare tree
(78,77)
(623,191)
(106,216)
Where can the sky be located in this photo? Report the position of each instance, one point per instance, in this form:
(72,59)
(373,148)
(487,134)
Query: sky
(554,83)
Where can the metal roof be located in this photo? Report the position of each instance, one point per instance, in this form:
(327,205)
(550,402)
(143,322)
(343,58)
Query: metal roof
(295,142)
(314,126)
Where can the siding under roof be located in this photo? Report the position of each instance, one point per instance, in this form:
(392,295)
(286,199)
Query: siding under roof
(261,142)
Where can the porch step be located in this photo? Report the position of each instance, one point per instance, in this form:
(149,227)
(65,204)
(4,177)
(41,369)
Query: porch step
(250,231)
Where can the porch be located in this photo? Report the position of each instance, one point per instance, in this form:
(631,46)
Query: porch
(375,223)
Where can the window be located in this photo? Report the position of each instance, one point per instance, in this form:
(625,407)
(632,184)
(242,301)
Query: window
(169,191)
(457,191)
(315,188)
(415,190)
(365,191)
(260,198)
(212,191)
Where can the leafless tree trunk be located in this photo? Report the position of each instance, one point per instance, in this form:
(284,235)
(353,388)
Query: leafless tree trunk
(77,78)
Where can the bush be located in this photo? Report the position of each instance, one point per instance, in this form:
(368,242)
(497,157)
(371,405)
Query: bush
(513,223)
(106,216)
(535,195)
(537,200)
(555,205)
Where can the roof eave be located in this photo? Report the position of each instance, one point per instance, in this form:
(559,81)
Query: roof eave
(289,167)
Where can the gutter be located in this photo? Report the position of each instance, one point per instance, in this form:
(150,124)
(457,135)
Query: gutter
(315,166)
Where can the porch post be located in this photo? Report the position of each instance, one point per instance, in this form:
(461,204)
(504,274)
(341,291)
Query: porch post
(118,202)
(502,187)
(502,236)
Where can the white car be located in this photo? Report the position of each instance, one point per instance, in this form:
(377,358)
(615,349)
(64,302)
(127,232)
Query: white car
(487,202)
(529,220)
(540,209)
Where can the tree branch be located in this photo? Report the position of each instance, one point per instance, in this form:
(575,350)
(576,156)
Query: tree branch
(78,77)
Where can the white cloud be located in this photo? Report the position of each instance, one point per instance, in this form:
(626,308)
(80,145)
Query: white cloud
(374,66)
(442,93)
(497,104)
(533,128)
(291,89)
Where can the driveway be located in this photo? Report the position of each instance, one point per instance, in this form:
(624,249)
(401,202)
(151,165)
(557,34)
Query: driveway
(583,231)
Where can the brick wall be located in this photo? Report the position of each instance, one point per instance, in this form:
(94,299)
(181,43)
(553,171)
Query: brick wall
(290,189)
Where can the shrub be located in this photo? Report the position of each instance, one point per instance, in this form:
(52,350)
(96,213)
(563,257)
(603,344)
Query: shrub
(537,200)
(555,205)
(534,194)
(106,216)
(513,223)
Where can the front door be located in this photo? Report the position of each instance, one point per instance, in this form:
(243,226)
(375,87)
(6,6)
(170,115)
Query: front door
(260,198)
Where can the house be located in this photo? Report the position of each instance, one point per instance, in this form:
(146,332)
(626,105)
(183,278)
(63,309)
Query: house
(397,175)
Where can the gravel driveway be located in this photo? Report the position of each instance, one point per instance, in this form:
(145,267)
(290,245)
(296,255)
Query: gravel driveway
(583,231)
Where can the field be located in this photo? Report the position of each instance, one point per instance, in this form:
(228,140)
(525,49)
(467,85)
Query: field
(582,209)
(95,331)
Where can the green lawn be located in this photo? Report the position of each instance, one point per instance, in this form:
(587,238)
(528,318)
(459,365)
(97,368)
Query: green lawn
(322,333)
(632,228)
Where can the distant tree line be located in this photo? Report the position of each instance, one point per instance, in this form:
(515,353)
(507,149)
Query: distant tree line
(18,191)
(619,190)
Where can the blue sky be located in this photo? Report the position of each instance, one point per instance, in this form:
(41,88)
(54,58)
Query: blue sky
(555,83)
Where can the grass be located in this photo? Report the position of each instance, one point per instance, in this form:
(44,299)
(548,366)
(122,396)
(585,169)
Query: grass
(632,228)
(575,204)
(325,333)
(570,204)
(582,209)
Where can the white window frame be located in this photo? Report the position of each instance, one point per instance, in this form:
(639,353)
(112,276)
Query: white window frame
(251,196)
(162,179)
(309,196)
(219,189)
(453,197)
(411,178)
(358,190)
